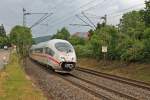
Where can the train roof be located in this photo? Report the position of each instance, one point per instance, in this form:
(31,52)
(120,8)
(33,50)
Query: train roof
(47,43)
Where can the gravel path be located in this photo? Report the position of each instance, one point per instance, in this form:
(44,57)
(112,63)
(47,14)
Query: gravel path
(123,88)
(54,87)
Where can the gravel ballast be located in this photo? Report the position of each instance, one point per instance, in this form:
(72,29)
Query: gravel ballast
(54,87)
(139,93)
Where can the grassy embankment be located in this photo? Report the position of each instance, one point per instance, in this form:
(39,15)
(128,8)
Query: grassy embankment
(15,85)
(135,71)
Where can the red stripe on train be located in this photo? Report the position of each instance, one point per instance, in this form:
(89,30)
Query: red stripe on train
(49,57)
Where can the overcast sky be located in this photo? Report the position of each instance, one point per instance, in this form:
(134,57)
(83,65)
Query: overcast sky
(64,13)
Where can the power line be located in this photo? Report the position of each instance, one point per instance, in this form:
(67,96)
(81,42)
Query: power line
(83,21)
(41,20)
(78,24)
(88,19)
(76,9)
(45,16)
(120,11)
(100,16)
(64,19)
(95,5)
(105,18)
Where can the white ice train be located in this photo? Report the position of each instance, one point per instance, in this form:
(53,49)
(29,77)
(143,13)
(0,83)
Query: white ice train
(57,53)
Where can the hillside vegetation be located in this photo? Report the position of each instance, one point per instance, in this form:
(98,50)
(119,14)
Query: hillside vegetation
(127,42)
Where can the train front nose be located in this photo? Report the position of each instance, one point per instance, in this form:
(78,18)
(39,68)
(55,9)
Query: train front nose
(68,66)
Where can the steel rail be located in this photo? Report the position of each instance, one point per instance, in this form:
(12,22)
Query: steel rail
(105,88)
(136,83)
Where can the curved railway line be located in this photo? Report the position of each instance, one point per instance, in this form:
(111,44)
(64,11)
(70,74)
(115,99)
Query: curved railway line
(115,93)
(85,88)
(136,83)
(100,90)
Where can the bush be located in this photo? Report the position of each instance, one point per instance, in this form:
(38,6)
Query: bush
(74,40)
(83,50)
(106,36)
(147,44)
(131,50)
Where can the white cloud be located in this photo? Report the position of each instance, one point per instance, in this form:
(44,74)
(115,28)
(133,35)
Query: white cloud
(11,12)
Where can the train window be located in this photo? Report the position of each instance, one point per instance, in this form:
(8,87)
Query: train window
(49,51)
(39,50)
(63,47)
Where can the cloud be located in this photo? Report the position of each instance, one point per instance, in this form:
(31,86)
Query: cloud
(64,11)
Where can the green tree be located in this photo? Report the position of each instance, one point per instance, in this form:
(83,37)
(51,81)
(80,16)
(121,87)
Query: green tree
(147,43)
(132,24)
(84,50)
(147,13)
(105,36)
(130,50)
(91,32)
(3,38)
(75,40)
(2,31)
(22,38)
(2,41)
(62,34)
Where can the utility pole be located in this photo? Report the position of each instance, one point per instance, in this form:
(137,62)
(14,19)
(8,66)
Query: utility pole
(24,17)
(105,19)
(104,47)
(46,15)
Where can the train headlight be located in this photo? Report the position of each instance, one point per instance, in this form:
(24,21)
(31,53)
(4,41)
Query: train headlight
(62,58)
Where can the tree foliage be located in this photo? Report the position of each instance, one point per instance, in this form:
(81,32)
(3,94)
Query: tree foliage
(132,24)
(4,40)
(105,36)
(62,34)
(129,42)
(22,38)
(147,13)
(2,31)
(75,40)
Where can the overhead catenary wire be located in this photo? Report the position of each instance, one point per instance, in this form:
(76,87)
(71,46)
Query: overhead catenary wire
(79,25)
(117,12)
(94,6)
(38,21)
(76,9)
(126,9)
(41,20)
(84,21)
(88,19)
(64,18)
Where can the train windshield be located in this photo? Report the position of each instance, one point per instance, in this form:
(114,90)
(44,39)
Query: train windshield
(63,47)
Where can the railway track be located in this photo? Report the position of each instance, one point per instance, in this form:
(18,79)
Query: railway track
(97,90)
(116,94)
(103,97)
(123,80)
(89,90)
